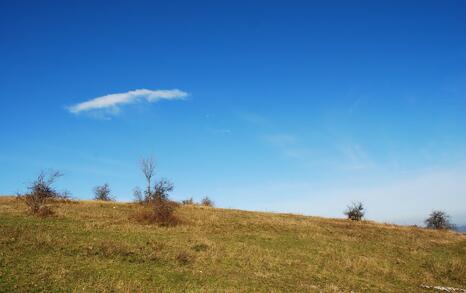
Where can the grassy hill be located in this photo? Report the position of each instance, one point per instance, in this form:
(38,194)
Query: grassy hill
(95,246)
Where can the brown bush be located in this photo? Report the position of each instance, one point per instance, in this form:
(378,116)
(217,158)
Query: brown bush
(160,213)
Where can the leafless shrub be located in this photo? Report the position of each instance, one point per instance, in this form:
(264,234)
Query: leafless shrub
(103,193)
(355,211)
(206,201)
(161,190)
(41,192)
(188,201)
(439,220)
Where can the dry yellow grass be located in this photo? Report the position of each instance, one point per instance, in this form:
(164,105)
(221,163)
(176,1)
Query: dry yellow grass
(95,246)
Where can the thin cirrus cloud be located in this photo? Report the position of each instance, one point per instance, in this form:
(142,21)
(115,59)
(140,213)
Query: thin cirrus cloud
(112,102)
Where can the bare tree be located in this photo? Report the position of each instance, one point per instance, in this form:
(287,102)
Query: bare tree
(102,193)
(355,211)
(41,191)
(162,211)
(148,169)
(439,220)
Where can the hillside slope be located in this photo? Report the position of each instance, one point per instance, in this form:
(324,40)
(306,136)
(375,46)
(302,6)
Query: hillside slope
(89,246)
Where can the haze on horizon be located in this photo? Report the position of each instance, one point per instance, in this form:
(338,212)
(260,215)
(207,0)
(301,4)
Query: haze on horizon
(296,107)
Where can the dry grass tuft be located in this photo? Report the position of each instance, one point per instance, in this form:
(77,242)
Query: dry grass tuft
(183,258)
(200,247)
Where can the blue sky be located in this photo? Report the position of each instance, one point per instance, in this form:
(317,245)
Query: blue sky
(263,105)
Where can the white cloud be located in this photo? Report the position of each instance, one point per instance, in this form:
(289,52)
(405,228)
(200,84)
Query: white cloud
(112,102)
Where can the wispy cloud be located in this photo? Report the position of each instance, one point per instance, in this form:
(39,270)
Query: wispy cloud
(354,106)
(355,157)
(281,139)
(112,102)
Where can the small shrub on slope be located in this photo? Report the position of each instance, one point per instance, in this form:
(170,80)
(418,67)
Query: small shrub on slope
(207,202)
(41,192)
(355,211)
(161,212)
(102,193)
(439,220)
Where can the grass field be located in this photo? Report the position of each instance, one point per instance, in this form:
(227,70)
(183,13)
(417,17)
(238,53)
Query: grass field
(95,246)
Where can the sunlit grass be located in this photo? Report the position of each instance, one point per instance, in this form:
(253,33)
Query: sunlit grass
(96,246)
